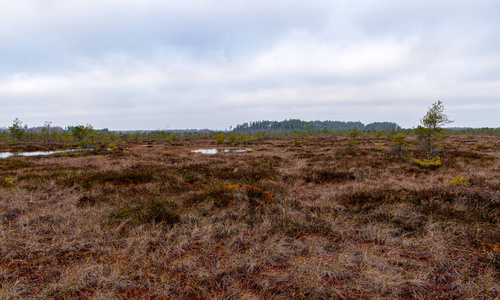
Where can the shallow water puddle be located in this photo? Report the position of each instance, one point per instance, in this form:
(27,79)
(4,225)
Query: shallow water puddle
(220,150)
(31,153)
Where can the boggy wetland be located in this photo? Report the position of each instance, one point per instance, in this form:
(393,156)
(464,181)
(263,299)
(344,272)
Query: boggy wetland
(291,219)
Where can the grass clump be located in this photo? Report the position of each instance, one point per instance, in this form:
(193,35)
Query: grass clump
(221,194)
(151,211)
(224,194)
(254,194)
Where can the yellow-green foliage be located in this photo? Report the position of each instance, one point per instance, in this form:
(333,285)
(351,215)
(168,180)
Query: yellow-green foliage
(458,180)
(430,131)
(220,138)
(232,139)
(113,146)
(7,183)
(354,133)
(249,140)
(429,162)
(380,148)
(299,137)
(399,144)
(352,142)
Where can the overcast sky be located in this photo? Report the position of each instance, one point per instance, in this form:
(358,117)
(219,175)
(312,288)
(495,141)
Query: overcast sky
(156,64)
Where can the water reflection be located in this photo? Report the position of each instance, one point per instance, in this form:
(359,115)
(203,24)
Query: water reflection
(31,153)
(220,150)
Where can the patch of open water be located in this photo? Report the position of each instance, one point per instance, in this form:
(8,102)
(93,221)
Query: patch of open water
(32,153)
(220,150)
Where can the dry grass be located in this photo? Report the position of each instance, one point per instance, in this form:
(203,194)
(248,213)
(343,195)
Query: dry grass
(312,220)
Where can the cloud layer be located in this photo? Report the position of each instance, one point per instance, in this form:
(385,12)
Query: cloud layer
(197,64)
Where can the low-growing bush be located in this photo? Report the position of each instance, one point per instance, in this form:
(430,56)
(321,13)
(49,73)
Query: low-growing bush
(458,180)
(400,144)
(432,162)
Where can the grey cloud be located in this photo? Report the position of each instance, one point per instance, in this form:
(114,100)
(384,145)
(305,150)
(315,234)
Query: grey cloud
(126,65)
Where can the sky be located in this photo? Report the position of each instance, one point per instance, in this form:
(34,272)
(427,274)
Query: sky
(164,64)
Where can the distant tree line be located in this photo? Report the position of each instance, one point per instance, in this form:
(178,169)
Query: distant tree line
(86,136)
(246,133)
(297,124)
(71,129)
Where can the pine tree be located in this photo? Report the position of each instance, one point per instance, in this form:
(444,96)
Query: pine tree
(430,131)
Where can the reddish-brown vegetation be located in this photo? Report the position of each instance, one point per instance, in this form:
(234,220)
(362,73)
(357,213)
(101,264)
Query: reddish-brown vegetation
(311,220)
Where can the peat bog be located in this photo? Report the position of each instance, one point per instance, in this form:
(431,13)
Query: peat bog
(288,220)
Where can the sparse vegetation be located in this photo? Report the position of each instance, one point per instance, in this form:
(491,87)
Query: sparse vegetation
(290,219)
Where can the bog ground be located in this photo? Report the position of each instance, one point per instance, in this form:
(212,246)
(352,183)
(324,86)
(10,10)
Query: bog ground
(289,220)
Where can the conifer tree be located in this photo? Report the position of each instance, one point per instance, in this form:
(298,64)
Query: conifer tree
(430,132)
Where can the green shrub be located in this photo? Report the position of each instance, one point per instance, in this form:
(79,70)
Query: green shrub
(399,144)
(220,138)
(432,162)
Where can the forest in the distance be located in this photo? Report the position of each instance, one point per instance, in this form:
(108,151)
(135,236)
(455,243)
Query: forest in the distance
(297,124)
